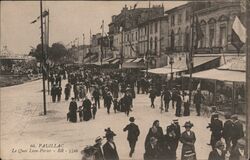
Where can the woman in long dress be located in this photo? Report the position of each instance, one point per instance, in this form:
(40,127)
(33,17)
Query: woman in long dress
(188,139)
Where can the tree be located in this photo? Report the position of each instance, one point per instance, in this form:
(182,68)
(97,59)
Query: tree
(57,52)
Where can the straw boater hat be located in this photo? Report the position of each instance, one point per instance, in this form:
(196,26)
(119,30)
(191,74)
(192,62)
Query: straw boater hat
(241,142)
(98,139)
(234,116)
(188,124)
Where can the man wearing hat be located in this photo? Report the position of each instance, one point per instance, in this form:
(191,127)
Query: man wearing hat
(133,133)
(216,127)
(218,152)
(237,130)
(109,100)
(127,102)
(166,96)
(53,93)
(176,129)
(98,146)
(198,99)
(239,152)
(109,148)
(187,139)
(227,131)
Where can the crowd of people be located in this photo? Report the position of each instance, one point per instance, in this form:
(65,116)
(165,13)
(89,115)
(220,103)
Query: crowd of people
(160,146)
(117,90)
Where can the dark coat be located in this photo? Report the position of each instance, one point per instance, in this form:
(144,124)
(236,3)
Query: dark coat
(127,101)
(237,130)
(158,135)
(109,152)
(198,98)
(133,132)
(188,142)
(177,130)
(216,127)
(151,153)
(214,155)
(169,148)
(72,111)
(235,155)
(87,115)
(98,154)
(166,95)
(227,129)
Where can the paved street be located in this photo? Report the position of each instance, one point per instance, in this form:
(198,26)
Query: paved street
(23,124)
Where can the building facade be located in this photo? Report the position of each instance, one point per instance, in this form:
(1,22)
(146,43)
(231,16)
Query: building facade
(215,19)
(216,23)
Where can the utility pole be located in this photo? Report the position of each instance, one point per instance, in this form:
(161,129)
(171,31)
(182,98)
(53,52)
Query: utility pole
(43,55)
(47,49)
(191,57)
(102,41)
(147,53)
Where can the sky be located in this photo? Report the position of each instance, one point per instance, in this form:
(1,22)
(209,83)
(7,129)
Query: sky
(68,20)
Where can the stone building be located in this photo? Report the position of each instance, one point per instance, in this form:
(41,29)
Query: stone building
(216,19)
(124,27)
(153,42)
(216,23)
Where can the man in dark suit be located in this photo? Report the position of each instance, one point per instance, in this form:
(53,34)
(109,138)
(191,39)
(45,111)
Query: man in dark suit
(176,130)
(96,96)
(166,96)
(227,131)
(127,102)
(133,133)
(237,130)
(239,152)
(198,99)
(98,147)
(109,148)
(216,127)
(218,152)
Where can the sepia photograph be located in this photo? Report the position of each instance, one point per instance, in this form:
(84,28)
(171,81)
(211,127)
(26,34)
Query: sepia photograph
(125,80)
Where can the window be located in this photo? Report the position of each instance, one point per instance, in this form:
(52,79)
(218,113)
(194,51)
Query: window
(136,36)
(151,28)
(145,30)
(156,44)
(151,43)
(179,18)
(156,27)
(172,20)
(223,36)
(187,15)
(211,36)
(132,36)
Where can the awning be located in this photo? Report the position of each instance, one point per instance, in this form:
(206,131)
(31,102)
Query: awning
(180,65)
(163,70)
(221,75)
(134,65)
(130,60)
(138,60)
(115,61)
(198,61)
(110,60)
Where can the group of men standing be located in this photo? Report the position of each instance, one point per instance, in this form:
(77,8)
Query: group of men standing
(231,131)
